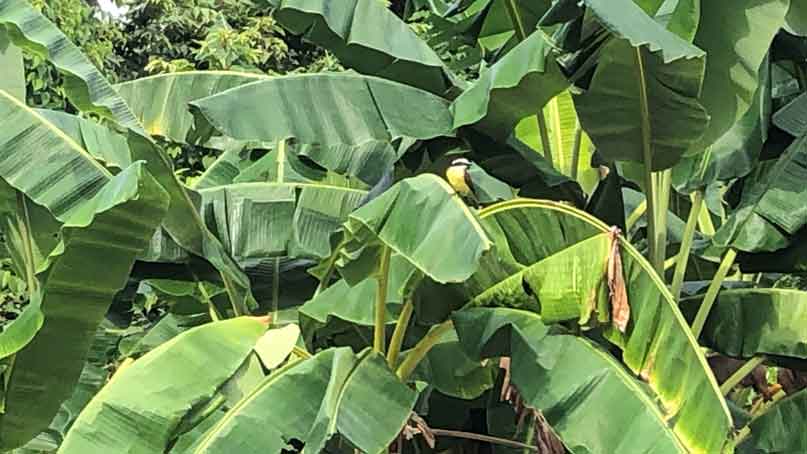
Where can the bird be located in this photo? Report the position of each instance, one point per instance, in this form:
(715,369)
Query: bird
(460,179)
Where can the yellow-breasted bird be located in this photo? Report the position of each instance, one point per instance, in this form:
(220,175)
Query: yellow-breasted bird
(460,179)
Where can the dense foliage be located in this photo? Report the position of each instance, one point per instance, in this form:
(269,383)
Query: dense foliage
(601,273)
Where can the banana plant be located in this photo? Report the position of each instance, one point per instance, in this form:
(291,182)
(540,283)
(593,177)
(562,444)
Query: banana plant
(426,323)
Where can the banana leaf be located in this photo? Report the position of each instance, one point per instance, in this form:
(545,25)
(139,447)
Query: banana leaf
(643,97)
(170,381)
(779,429)
(101,142)
(562,123)
(736,39)
(748,322)
(770,210)
(115,223)
(736,152)
(13,72)
(790,118)
(336,392)
(497,34)
(516,86)
(279,206)
(351,121)
(445,242)
(657,344)
(448,368)
(355,304)
(89,91)
(366,36)
(571,380)
(161,102)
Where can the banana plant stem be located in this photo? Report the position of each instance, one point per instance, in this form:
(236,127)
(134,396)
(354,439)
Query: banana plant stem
(636,214)
(399,333)
(711,293)
(705,221)
(530,434)
(740,374)
(521,35)
(686,245)
(576,146)
(664,182)
(380,329)
(544,132)
(276,290)
(423,347)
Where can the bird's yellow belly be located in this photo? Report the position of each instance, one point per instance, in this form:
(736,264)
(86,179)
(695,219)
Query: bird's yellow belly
(456,178)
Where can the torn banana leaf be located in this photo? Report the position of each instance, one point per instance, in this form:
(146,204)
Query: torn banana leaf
(337,392)
(444,241)
(515,87)
(161,102)
(116,223)
(141,407)
(366,36)
(770,211)
(642,100)
(657,344)
(350,121)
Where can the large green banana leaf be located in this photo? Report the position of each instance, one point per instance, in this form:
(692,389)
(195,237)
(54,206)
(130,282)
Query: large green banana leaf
(89,91)
(747,322)
(141,407)
(161,102)
(657,344)
(334,392)
(780,429)
(736,39)
(771,208)
(116,223)
(591,401)
(352,121)
(444,241)
(367,37)
(87,203)
(517,86)
(643,97)
(277,206)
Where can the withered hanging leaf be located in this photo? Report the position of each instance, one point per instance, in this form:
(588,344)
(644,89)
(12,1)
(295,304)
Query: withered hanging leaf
(620,309)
